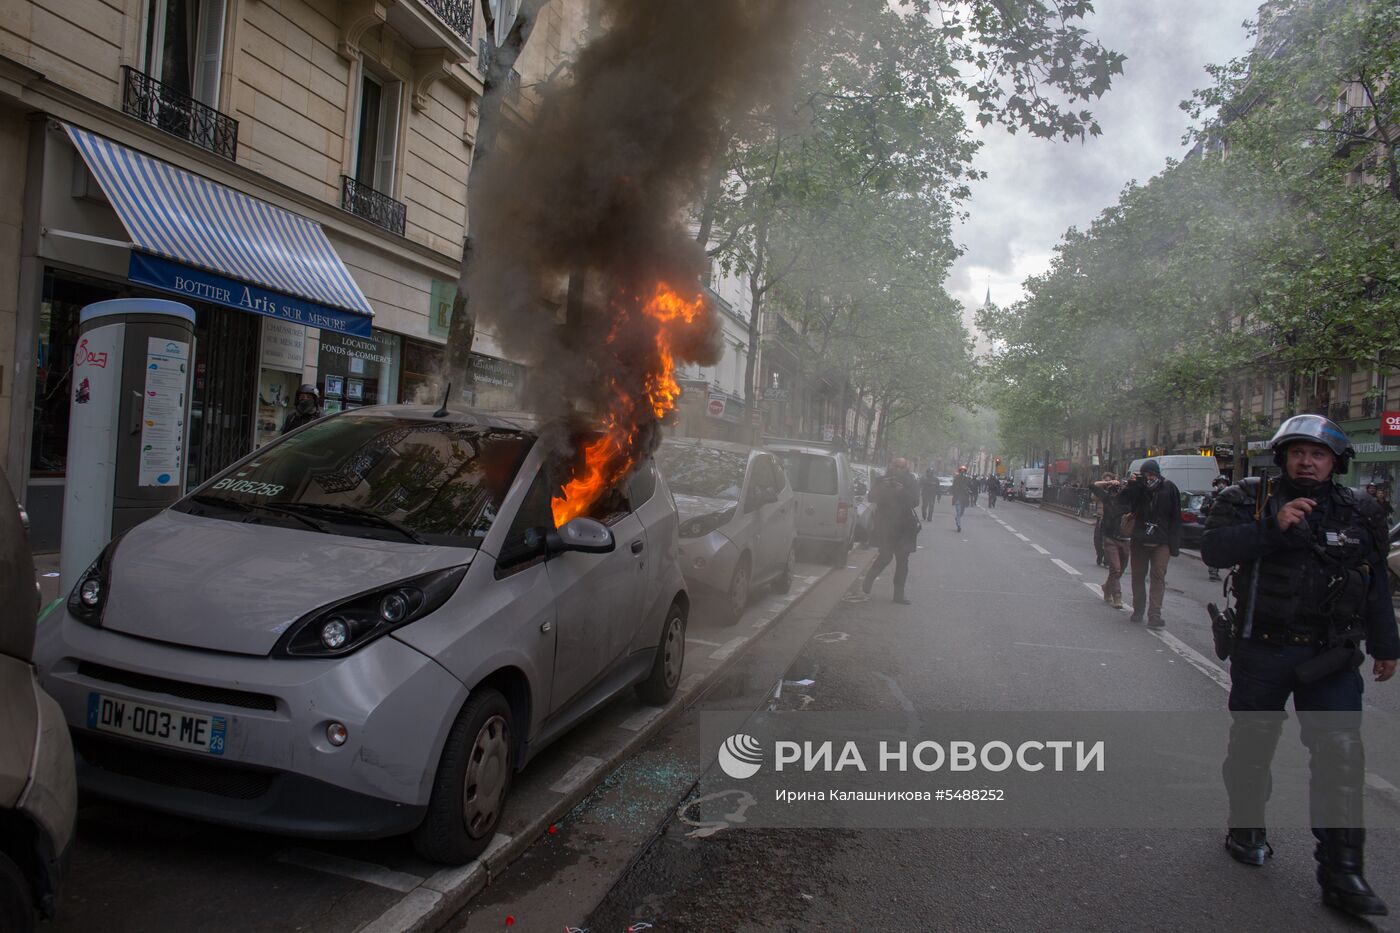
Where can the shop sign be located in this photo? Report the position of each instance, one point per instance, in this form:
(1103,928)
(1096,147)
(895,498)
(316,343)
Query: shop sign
(202,285)
(283,346)
(1061,466)
(1390,428)
(489,371)
(440,307)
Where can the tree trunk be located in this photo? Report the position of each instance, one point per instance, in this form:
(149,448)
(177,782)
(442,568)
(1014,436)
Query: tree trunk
(756,291)
(1241,462)
(461,332)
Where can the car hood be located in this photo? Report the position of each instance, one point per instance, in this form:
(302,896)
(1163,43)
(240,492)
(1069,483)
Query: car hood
(228,586)
(688,507)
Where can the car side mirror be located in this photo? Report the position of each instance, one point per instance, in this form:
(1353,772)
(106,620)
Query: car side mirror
(585,535)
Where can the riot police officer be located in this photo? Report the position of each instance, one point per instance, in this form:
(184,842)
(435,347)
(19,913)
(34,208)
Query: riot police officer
(1310,587)
(1217,486)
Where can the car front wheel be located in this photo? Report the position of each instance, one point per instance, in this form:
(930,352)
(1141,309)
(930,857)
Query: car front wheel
(16,901)
(473,780)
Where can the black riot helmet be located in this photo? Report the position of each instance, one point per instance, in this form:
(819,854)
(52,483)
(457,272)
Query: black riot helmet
(1314,429)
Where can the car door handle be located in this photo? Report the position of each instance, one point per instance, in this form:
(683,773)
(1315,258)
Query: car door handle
(638,545)
(546,627)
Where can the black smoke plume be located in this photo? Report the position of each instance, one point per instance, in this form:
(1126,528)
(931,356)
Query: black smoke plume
(599,188)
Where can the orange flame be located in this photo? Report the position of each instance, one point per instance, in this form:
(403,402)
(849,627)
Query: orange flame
(608,460)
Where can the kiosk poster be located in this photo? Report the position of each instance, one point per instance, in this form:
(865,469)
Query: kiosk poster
(163,411)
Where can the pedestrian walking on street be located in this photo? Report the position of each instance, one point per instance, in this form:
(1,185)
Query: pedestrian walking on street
(1156,535)
(307,409)
(895,530)
(961,494)
(928,491)
(1306,599)
(1112,539)
(993,488)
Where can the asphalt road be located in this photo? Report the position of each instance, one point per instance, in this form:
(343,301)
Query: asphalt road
(1005,618)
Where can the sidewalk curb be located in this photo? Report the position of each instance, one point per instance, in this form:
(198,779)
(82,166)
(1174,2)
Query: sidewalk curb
(1067,513)
(442,895)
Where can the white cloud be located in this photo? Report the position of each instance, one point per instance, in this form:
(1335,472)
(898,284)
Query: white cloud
(1038,188)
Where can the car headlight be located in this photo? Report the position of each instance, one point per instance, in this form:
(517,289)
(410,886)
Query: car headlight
(89,595)
(350,624)
(702,525)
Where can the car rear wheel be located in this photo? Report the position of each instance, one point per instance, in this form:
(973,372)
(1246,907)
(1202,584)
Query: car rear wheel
(16,898)
(782,583)
(473,780)
(737,599)
(665,675)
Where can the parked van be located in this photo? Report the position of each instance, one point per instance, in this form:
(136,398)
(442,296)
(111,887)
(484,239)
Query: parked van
(1190,472)
(1028,484)
(823,481)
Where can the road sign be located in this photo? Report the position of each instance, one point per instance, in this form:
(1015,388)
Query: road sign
(716,407)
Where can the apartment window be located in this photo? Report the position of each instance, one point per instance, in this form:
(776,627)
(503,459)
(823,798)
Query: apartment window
(377,133)
(184,45)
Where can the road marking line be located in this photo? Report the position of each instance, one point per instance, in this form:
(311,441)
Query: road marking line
(728,648)
(582,770)
(1008,527)
(701,641)
(639,719)
(406,914)
(1023,537)
(351,868)
(1031,644)
(1193,657)
(1039,548)
(1065,567)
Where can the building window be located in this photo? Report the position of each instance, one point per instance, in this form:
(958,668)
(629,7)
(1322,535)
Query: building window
(358,371)
(184,46)
(377,133)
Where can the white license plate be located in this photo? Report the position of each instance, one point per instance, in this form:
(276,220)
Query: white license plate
(159,724)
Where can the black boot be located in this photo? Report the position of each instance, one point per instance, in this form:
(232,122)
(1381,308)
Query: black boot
(1339,871)
(899,597)
(1248,846)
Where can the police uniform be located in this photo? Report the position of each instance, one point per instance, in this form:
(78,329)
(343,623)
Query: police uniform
(1305,601)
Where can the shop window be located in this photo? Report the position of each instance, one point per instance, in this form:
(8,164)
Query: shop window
(377,132)
(358,371)
(62,299)
(184,44)
(418,382)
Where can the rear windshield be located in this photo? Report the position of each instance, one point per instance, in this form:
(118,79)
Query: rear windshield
(810,472)
(377,476)
(703,471)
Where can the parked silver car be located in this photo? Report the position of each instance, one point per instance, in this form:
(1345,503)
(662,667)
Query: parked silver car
(823,482)
(363,629)
(738,519)
(38,799)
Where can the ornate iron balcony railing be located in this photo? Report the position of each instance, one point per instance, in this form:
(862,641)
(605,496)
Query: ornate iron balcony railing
(374,206)
(457,14)
(160,105)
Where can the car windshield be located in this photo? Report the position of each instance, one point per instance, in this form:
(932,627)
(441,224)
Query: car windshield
(812,473)
(432,482)
(703,471)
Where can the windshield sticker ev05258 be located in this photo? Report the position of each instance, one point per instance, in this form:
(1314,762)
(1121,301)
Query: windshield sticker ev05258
(250,487)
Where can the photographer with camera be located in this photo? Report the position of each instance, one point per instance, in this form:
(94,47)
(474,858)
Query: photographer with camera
(1310,587)
(1155,530)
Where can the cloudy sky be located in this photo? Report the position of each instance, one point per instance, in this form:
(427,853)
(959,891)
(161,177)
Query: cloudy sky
(1037,188)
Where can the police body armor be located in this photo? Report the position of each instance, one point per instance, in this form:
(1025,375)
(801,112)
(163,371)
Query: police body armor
(1313,591)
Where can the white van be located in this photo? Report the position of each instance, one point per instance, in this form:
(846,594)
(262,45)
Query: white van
(1028,484)
(1190,472)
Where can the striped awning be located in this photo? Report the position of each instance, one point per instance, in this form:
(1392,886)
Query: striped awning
(197,238)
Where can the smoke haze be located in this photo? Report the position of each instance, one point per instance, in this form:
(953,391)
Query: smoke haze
(601,183)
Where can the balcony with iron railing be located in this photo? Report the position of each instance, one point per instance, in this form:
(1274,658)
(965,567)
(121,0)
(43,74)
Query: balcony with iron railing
(177,113)
(1351,128)
(375,206)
